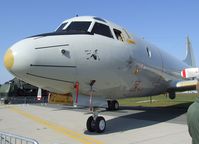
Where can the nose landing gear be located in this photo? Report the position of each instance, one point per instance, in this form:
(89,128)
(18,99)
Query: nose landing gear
(95,123)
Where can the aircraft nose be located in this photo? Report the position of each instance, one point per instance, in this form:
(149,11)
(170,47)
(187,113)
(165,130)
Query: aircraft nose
(17,58)
(9,59)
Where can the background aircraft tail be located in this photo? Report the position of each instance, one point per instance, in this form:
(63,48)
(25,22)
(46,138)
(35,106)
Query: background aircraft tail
(190,59)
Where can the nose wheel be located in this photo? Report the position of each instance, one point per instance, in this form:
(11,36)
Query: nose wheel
(97,124)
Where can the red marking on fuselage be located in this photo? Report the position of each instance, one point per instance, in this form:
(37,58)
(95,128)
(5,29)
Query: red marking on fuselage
(183,74)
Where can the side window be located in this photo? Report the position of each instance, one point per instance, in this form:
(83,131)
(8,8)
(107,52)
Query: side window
(102,29)
(118,34)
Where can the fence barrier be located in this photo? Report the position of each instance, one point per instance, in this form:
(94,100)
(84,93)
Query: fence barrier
(8,138)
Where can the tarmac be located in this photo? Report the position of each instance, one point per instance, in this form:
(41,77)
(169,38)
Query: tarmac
(58,124)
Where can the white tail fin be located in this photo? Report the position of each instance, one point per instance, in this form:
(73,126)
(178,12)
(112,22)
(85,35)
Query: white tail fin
(190,59)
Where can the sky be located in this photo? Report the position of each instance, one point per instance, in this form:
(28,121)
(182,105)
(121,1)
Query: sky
(163,23)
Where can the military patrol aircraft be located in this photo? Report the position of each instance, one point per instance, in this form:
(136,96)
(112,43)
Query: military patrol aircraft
(95,59)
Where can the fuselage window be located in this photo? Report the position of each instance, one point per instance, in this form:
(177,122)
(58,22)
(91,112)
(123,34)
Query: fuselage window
(148,52)
(102,29)
(61,27)
(80,26)
(118,34)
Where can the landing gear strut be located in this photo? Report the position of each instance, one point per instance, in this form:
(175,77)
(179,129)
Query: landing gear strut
(113,105)
(95,123)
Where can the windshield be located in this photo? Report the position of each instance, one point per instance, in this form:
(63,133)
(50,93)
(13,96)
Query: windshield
(75,27)
(61,27)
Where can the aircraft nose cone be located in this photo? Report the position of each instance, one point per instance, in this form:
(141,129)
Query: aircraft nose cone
(9,59)
(17,58)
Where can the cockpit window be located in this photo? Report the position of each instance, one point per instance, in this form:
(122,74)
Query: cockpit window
(102,29)
(118,34)
(61,27)
(78,27)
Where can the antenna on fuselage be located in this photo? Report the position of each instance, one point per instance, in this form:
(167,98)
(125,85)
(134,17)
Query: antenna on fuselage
(77,15)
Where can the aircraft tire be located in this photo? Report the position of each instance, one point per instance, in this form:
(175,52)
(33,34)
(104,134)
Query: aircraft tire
(90,124)
(172,95)
(113,105)
(100,124)
(109,105)
(6,101)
